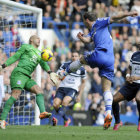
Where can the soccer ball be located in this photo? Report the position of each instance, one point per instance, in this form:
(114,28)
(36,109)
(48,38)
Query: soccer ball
(47,55)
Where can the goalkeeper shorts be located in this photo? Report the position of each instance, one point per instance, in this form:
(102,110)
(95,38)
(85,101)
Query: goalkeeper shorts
(21,81)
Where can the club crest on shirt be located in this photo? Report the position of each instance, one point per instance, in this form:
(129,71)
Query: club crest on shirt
(19,82)
(78,72)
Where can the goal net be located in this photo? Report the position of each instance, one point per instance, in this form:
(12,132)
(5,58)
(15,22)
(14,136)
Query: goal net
(17,23)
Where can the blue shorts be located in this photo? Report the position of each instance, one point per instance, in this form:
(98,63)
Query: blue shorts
(104,60)
(62,92)
(129,91)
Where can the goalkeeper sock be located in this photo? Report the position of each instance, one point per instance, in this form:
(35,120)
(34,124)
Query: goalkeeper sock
(108,102)
(115,108)
(74,66)
(138,106)
(7,107)
(62,112)
(40,102)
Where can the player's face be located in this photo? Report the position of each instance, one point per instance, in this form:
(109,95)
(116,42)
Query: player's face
(36,41)
(75,56)
(86,22)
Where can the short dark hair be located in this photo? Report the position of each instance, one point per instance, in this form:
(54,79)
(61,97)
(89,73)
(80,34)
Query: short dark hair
(92,16)
(74,51)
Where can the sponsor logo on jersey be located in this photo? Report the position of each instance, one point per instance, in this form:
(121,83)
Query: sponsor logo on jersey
(34,59)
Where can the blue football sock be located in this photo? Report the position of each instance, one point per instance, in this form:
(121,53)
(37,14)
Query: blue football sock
(62,112)
(115,108)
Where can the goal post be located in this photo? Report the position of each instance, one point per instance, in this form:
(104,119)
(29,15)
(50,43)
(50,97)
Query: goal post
(10,8)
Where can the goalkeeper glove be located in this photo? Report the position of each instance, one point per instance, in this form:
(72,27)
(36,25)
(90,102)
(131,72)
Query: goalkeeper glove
(54,78)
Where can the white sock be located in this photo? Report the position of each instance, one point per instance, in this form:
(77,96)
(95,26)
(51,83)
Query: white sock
(74,66)
(108,98)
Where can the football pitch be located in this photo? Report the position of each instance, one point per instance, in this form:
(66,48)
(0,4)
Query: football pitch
(69,133)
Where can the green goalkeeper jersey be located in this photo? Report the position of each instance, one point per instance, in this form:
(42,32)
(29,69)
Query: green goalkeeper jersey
(29,57)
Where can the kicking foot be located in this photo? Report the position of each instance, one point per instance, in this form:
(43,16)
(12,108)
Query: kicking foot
(66,123)
(138,129)
(117,126)
(44,115)
(3,124)
(54,120)
(107,121)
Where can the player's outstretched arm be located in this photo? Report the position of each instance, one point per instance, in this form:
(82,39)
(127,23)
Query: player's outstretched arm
(83,38)
(13,58)
(16,56)
(121,16)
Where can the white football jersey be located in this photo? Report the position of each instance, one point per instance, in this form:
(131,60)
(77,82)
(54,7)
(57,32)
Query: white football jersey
(135,65)
(72,80)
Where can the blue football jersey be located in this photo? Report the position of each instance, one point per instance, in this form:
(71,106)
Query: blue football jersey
(101,35)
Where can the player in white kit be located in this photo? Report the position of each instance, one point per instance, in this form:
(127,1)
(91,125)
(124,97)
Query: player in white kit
(72,85)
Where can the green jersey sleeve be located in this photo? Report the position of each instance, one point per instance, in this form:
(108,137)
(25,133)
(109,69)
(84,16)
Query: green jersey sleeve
(16,56)
(44,65)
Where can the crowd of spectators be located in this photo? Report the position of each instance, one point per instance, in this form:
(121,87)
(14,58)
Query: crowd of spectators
(124,37)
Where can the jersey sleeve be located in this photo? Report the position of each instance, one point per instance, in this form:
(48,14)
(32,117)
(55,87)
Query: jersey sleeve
(131,60)
(62,67)
(16,56)
(44,65)
(102,22)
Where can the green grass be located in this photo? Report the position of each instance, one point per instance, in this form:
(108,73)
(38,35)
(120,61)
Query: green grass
(69,133)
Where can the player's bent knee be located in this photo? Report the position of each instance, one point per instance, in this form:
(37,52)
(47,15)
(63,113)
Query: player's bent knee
(37,90)
(56,105)
(138,98)
(118,97)
(65,103)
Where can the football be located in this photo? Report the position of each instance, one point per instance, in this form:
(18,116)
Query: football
(47,55)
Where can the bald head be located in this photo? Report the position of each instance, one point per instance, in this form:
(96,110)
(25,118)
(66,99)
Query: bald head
(34,40)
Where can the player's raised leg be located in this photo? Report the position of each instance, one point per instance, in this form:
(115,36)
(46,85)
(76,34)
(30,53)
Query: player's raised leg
(15,94)
(39,99)
(115,107)
(73,67)
(106,85)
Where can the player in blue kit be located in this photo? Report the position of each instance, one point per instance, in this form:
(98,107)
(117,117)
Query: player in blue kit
(130,90)
(102,57)
(72,85)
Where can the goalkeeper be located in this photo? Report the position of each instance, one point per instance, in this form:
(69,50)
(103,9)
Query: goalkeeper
(29,57)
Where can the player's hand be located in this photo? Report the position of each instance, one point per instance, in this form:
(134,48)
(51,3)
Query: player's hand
(54,78)
(80,35)
(133,13)
(131,79)
(61,75)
